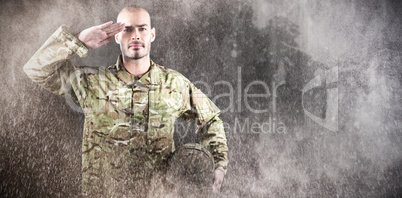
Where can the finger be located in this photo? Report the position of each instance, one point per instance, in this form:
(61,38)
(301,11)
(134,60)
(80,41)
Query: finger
(218,182)
(102,26)
(105,41)
(216,188)
(114,32)
(114,27)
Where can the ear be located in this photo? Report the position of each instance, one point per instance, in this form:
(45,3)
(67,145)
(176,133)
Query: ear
(116,38)
(152,34)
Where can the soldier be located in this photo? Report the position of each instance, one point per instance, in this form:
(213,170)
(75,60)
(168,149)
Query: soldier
(130,107)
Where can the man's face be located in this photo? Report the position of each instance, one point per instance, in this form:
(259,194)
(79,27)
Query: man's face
(135,40)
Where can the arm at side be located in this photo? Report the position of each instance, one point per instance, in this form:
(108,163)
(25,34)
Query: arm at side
(210,127)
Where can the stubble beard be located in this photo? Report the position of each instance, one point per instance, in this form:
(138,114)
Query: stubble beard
(136,55)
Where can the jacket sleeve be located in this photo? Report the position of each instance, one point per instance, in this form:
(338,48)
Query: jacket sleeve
(210,127)
(50,66)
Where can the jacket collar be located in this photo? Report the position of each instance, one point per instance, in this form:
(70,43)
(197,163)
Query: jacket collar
(127,78)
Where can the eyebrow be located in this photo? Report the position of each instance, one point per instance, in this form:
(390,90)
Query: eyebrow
(142,25)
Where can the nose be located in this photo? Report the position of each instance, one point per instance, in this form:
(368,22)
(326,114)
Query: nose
(135,36)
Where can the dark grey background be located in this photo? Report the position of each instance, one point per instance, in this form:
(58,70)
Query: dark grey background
(210,41)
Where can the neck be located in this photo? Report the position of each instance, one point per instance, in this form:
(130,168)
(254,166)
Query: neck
(137,67)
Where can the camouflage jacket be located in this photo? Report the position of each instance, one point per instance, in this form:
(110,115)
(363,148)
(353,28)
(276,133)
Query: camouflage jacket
(129,122)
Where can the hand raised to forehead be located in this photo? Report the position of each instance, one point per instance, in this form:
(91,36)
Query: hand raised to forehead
(99,35)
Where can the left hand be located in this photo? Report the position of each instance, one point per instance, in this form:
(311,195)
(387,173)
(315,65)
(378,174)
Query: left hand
(218,180)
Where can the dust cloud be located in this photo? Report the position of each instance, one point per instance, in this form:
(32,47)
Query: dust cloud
(324,120)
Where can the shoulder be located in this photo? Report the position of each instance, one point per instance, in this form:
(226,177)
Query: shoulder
(91,73)
(91,69)
(171,76)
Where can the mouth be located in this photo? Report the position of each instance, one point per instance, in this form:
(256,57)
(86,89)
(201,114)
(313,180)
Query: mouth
(136,45)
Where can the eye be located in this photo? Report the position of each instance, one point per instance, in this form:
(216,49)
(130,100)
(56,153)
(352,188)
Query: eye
(128,30)
(143,29)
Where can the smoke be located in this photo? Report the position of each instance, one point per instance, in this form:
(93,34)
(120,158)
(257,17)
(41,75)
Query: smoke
(227,47)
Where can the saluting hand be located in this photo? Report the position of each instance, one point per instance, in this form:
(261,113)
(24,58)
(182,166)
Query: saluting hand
(97,36)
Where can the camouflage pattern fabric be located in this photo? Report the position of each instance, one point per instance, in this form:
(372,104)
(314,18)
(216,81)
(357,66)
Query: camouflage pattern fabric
(129,122)
(192,163)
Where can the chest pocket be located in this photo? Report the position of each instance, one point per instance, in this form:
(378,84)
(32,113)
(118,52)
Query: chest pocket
(120,100)
(164,107)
